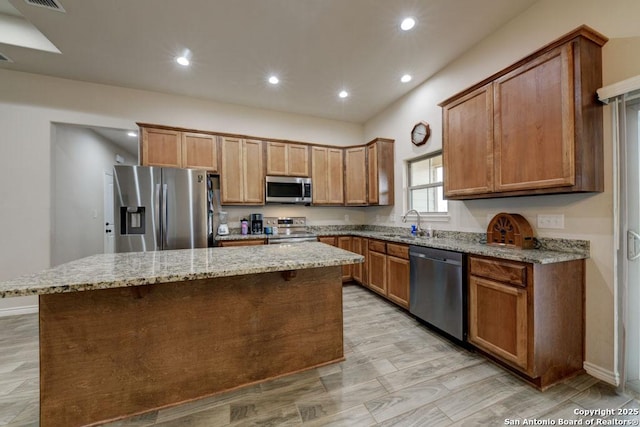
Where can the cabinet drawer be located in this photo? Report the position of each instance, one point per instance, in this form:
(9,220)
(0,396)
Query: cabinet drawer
(377,246)
(504,271)
(400,251)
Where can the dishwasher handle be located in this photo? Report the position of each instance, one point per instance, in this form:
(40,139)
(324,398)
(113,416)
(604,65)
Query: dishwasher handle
(437,259)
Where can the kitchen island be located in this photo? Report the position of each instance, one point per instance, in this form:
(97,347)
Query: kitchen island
(122,334)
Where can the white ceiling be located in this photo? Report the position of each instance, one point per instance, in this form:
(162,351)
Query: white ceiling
(317,47)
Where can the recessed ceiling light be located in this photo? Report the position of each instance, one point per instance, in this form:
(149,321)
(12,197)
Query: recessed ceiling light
(183,60)
(407,24)
(406,78)
(132,134)
(274,80)
(343,94)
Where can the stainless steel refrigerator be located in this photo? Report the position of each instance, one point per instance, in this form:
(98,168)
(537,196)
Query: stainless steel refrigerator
(159,208)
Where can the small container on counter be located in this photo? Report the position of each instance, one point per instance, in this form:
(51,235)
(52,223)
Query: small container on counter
(268,230)
(244,227)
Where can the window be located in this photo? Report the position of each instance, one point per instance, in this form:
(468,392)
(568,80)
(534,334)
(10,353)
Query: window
(425,190)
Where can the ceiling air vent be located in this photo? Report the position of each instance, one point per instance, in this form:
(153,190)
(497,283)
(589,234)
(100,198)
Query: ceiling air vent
(4,58)
(49,4)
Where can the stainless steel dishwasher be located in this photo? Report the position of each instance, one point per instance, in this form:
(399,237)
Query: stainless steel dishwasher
(437,292)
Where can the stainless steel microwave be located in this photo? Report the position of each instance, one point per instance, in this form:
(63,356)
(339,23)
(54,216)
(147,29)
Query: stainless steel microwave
(285,189)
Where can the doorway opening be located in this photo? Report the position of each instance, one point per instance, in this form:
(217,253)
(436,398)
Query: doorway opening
(82,160)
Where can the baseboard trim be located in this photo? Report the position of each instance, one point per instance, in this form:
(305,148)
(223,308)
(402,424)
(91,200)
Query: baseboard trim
(605,375)
(15,311)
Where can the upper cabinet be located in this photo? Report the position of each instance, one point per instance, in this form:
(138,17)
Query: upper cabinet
(380,170)
(369,171)
(533,128)
(287,159)
(355,171)
(241,172)
(173,148)
(327,175)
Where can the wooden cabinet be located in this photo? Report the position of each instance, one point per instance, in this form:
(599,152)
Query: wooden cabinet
(161,147)
(533,128)
(329,240)
(172,148)
(199,151)
(241,172)
(369,171)
(398,274)
(528,316)
(345,242)
(388,268)
(355,171)
(342,242)
(287,159)
(252,242)
(360,246)
(468,144)
(377,267)
(380,171)
(327,171)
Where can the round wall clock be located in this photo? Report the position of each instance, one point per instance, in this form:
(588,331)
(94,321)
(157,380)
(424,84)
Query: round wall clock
(420,133)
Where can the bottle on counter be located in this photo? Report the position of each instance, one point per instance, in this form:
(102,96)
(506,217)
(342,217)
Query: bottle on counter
(429,232)
(244,227)
(414,229)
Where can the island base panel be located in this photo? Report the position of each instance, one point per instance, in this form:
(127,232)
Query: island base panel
(108,354)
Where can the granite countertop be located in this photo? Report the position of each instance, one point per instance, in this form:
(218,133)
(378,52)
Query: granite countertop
(549,251)
(142,268)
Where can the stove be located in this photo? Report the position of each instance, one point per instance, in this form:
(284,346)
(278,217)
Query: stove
(288,230)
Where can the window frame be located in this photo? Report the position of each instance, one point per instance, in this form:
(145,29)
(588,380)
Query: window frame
(410,188)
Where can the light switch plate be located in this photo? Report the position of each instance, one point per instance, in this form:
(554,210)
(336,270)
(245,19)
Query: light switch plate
(551,221)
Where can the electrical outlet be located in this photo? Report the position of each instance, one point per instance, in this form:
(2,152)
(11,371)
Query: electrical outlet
(551,221)
(346,218)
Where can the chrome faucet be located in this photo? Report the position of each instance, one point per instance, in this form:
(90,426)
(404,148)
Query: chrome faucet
(419,230)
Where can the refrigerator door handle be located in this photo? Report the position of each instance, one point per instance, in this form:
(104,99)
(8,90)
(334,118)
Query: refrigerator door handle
(165,217)
(156,209)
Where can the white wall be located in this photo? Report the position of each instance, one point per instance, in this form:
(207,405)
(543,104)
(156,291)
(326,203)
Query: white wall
(588,217)
(30,103)
(79,159)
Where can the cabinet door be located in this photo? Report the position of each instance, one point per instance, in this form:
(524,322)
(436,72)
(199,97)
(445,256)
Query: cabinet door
(398,280)
(335,176)
(356,176)
(231,171)
(372,174)
(319,175)
(329,240)
(534,127)
(253,179)
(298,160)
(199,151)
(161,147)
(356,269)
(378,272)
(498,319)
(326,175)
(467,144)
(344,242)
(277,158)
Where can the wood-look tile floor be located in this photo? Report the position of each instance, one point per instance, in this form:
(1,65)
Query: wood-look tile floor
(396,373)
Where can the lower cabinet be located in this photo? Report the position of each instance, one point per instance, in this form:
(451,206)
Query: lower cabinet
(251,242)
(360,246)
(342,242)
(388,271)
(529,317)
